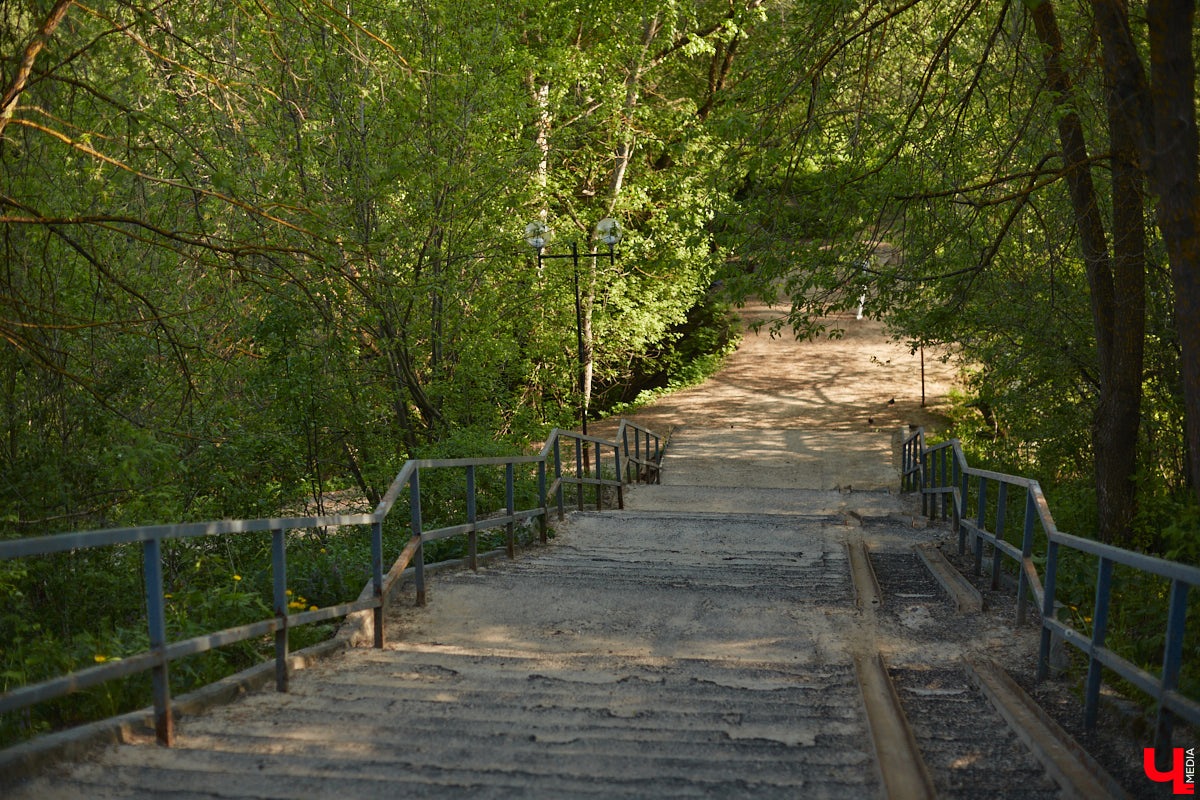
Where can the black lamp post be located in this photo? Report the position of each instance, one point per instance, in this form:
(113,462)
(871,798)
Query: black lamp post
(538,234)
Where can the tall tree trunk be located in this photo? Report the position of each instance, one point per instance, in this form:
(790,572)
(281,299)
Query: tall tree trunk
(1115,282)
(1119,417)
(1176,180)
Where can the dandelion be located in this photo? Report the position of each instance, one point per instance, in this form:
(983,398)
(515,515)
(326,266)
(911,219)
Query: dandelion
(237,577)
(322,549)
(288,592)
(168,595)
(312,608)
(99,659)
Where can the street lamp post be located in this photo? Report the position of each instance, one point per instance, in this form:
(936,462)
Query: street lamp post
(538,235)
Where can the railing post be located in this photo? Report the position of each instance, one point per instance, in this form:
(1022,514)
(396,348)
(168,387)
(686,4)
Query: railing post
(279,579)
(946,481)
(955,502)
(639,467)
(542,501)
(964,492)
(599,478)
(1047,610)
(164,723)
(379,613)
(558,477)
(472,537)
(1091,697)
(657,457)
(620,482)
(925,478)
(510,545)
(625,444)
(1026,553)
(1001,513)
(1172,661)
(414,493)
(980,525)
(579,472)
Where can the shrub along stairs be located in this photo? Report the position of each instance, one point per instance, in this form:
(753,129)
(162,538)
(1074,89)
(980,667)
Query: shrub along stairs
(759,624)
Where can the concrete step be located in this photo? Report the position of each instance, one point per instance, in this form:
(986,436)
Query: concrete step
(781,459)
(718,499)
(438,722)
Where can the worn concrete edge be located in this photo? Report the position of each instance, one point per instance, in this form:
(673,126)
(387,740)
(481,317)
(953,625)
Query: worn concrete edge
(867,594)
(25,760)
(902,769)
(1079,775)
(965,596)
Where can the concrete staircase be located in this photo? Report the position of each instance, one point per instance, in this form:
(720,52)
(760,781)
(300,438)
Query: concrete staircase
(708,641)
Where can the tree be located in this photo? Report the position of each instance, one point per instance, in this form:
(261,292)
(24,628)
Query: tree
(922,124)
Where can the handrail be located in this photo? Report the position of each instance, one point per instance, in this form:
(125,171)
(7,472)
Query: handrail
(942,471)
(643,464)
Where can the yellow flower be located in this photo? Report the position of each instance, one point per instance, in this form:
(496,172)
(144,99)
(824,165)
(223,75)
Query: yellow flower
(168,595)
(99,658)
(322,549)
(237,577)
(288,592)
(312,608)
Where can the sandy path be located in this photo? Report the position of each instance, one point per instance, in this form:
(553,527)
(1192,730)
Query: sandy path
(846,384)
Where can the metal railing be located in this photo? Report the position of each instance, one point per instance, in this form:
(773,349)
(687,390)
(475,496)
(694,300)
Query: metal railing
(643,464)
(944,478)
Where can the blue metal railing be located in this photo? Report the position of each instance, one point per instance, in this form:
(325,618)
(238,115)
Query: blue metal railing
(643,464)
(944,478)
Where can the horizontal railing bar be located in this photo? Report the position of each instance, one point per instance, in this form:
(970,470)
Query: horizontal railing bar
(451,530)
(480,525)
(1035,580)
(1138,677)
(591,481)
(1158,566)
(582,438)
(405,558)
(122,668)
(211,641)
(636,460)
(393,492)
(1182,705)
(331,612)
(1011,480)
(75,681)
(62,542)
(496,461)
(1009,549)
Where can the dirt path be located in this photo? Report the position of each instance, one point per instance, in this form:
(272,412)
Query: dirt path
(860,382)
